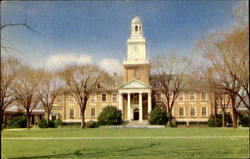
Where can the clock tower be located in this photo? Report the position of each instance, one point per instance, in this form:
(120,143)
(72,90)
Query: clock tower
(136,66)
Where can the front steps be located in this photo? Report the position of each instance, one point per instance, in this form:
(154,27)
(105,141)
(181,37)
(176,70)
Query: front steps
(134,124)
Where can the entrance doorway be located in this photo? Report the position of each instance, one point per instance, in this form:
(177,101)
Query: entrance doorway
(136,114)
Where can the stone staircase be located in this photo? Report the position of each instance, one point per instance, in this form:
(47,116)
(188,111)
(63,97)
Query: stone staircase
(134,124)
(141,124)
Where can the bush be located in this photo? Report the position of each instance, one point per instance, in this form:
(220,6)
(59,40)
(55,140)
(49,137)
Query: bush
(211,120)
(244,120)
(18,122)
(43,124)
(174,124)
(158,117)
(58,122)
(92,124)
(110,116)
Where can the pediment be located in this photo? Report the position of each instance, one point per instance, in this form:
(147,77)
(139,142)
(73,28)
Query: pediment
(134,84)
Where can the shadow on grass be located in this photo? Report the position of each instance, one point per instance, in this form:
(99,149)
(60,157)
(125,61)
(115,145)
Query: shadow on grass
(128,151)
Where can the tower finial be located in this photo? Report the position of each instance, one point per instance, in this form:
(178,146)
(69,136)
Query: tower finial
(136,10)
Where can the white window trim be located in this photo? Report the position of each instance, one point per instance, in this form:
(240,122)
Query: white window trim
(158,97)
(74,112)
(106,97)
(90,112)
(201,96)
(172,96)
(94,98)
(206,111)
(183,96)
(183,111)
(194,111)
(194,96)
(116,97)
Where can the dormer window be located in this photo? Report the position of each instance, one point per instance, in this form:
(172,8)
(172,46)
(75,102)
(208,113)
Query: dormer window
(136,28)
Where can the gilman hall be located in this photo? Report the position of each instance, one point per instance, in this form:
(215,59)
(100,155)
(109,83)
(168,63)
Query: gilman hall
(136,92)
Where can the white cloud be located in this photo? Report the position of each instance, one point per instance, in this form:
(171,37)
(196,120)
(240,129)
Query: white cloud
(111,65)
(60,60)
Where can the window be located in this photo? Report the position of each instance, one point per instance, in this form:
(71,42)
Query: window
(71,113)
(59,99)
(192,111)
(171,95)
(158,96)
(92,112)
(92,98)
(136,28)
(181,111)
(191,95)
(71,98)
(114,97)
(203,111)
(203,96)
(181,96)
(104,97)
(137,74)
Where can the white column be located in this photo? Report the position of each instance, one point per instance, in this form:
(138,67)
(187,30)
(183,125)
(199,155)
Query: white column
(149,103)
(129,110)
(140,107)
(121,102)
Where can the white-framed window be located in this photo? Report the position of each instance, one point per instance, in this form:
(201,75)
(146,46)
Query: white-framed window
(203,95)
(181,96)
(203,111)
(171,95)
(191,95)
(72,113)
(181,111)
(92,97)
(92,112)
(71,98)
(104,97)
(59,99)
(192,111)
(158,96)
(114,97)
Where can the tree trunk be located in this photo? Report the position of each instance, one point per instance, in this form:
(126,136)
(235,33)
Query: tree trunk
(234,118)
(215,115)
(170,119)
(223,118)
(1,119)
(48,114)
(28,120)
(83,119)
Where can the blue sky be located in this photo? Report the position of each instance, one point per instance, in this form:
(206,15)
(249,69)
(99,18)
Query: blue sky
(96,32)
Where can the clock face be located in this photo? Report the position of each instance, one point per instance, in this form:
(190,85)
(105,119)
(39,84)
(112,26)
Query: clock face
(136,49)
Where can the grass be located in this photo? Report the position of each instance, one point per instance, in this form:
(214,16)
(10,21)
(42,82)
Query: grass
(212,143)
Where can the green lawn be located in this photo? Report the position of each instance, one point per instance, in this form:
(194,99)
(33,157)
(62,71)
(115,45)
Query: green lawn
(157,143)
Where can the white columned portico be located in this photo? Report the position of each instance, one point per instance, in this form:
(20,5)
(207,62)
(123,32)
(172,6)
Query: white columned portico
(129,107)
(140,107)
(149,103)
(121,102)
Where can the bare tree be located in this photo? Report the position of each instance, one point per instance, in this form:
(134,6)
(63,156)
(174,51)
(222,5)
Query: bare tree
(170,72)
(227,53)
(81,80)
(26,89)
(9,69)
(49,89)
(8,25)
